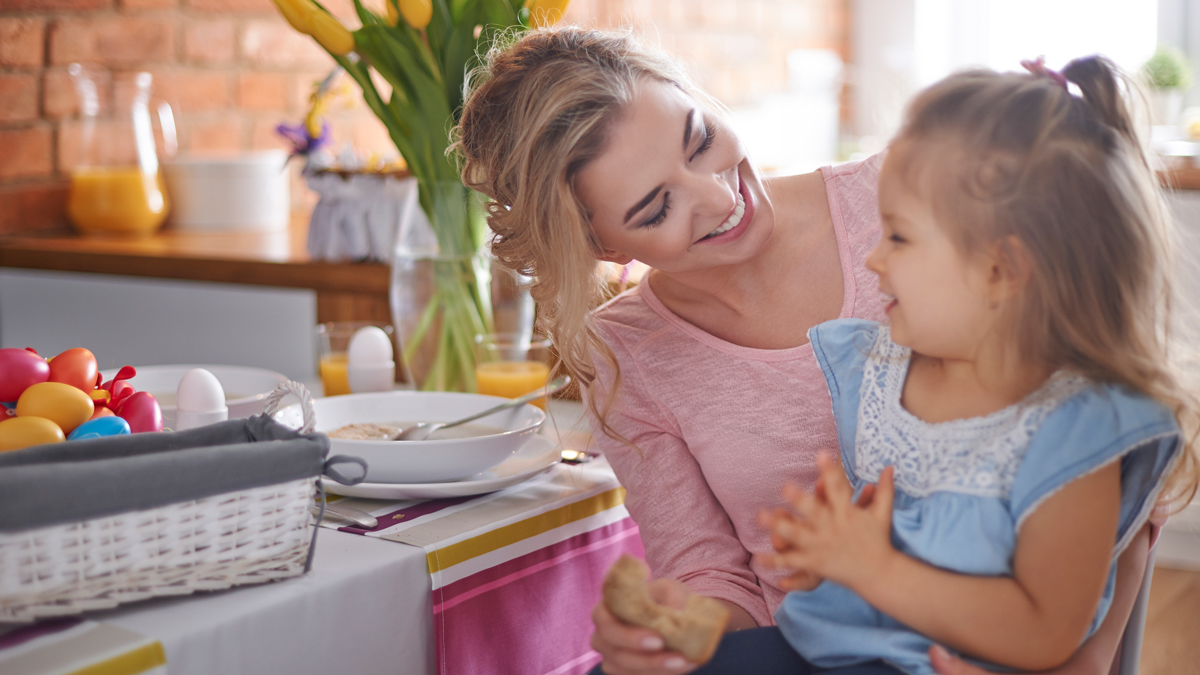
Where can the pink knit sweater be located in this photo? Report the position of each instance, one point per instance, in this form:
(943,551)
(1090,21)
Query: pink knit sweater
(722,427)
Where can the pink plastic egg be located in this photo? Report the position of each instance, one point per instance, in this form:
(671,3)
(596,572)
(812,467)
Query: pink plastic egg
(19,369)
(142,412)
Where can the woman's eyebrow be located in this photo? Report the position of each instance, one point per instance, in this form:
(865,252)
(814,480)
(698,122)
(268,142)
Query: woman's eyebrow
(687,128)
(642,204)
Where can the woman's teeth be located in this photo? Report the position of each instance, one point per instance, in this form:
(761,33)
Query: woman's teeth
(732,221)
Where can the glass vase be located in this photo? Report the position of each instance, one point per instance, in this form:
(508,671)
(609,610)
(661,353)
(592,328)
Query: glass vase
(441,288)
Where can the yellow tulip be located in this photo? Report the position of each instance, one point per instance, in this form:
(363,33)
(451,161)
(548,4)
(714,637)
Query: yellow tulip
(392,17)
(298,13)
(418,13)
(330,33)
(545,13)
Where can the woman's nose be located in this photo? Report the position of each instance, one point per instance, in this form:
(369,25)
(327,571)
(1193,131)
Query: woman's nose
(717,195)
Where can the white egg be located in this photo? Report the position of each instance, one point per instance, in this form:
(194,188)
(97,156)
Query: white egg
(369,347)
(199,392)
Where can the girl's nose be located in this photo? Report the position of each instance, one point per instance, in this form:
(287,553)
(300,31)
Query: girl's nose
(875,258)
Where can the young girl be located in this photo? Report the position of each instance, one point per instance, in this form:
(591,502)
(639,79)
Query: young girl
(1004,438)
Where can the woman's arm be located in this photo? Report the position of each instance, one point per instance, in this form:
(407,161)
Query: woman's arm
(685,530)
(1032,620)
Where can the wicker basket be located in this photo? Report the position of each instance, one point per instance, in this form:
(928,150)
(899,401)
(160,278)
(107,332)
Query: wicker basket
(92,524)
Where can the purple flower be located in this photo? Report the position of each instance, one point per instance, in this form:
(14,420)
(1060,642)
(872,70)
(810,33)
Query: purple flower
(298,136)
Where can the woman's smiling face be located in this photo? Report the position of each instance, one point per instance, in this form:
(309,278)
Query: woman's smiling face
(673,187)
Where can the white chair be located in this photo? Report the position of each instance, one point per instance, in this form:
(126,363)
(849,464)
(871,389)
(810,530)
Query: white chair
(1130,649)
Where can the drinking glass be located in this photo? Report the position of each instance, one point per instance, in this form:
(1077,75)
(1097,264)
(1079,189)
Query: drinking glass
(511,364)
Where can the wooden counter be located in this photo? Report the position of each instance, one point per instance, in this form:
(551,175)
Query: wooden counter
(345,291)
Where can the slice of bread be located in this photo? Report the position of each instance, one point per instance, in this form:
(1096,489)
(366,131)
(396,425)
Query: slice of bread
(695,631)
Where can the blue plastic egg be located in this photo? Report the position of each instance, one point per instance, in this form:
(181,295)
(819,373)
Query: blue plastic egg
(101,426)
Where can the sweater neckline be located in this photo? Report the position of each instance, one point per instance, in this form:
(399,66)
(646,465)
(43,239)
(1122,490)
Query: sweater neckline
(849,289)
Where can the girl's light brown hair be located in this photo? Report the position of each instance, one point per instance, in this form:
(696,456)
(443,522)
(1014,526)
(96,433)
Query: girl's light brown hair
(1019,157)
(539,110)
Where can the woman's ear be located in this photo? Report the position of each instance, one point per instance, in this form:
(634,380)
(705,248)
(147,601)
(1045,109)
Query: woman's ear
(611,256)
(1011,268)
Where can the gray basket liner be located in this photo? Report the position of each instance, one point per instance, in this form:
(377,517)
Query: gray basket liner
(79,480)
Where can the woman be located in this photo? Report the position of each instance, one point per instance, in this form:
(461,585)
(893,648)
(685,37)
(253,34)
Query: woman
(703,392)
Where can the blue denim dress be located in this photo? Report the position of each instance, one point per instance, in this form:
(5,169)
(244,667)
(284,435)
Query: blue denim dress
(964,487)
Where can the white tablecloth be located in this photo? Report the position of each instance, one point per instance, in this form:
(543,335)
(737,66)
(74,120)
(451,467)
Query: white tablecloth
(365,608)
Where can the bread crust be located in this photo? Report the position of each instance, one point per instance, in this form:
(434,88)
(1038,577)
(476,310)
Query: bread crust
(694,631)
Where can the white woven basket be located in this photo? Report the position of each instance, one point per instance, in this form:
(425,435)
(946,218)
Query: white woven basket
(242,537)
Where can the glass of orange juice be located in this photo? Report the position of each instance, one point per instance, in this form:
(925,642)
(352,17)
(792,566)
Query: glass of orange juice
(333,339)
(511,364)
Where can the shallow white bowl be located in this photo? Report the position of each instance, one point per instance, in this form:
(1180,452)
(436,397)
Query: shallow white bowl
(421,461)
(246,389)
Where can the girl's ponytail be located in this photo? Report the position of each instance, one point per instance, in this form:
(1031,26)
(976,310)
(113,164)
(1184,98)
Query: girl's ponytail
(1100,82)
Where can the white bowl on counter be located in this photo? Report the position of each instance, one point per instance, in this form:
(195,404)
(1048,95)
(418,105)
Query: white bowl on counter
(246,389)
(243,191)
(429,461)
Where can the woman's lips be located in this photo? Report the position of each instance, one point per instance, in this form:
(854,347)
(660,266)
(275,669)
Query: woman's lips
(890,306)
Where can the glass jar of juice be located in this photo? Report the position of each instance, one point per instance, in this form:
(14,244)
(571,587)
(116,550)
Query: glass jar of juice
(117,186)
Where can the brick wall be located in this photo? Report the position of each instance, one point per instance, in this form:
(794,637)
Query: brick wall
(233,69)
(735,49)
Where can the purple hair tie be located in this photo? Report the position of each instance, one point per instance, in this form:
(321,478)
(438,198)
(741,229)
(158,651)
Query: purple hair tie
(1039,69)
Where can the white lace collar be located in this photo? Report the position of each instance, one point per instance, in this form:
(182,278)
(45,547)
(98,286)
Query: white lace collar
(977,456)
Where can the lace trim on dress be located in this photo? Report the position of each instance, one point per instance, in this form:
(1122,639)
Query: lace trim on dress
(977,456)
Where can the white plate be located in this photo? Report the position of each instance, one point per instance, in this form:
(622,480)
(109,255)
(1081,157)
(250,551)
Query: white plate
(535,457)
(246,389)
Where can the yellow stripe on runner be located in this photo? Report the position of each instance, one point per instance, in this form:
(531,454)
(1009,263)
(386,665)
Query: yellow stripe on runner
(454,554)
(138,660)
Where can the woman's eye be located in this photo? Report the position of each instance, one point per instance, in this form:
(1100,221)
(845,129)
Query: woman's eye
(662,213)
(896,239)
(710,132)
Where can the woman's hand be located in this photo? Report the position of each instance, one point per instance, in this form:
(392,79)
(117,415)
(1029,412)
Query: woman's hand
(633,650)
(830,536)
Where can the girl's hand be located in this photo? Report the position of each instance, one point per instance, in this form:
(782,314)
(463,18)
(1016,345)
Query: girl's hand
(832,537)
(798,580)
(633,650)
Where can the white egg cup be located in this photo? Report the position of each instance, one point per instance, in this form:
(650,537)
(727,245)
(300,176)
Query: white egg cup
(371,378)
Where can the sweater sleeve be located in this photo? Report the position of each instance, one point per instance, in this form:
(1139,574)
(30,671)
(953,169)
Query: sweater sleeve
(685,530)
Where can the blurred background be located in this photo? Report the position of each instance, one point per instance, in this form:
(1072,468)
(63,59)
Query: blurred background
(808,81)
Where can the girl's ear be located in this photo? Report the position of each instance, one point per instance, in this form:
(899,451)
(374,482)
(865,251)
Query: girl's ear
(1012,266)
(611,256)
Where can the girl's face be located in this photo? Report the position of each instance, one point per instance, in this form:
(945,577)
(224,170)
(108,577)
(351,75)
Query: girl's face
(673,187)
(942,302)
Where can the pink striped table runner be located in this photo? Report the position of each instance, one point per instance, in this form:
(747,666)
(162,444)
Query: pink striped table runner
(515,573)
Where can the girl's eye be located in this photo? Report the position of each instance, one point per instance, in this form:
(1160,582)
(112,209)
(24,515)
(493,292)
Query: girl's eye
(662,213)
(896,239)
(710,132)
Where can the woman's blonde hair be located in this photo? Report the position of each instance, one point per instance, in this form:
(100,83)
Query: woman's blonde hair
(1017,157)
(539,110)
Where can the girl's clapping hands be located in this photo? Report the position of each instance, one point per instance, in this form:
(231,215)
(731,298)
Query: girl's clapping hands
(827,535)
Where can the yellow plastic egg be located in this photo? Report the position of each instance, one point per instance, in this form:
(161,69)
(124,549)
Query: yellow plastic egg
(22,432)
(62,404)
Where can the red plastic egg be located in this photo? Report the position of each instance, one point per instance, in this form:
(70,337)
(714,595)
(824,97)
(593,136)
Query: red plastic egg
(142,412)
(19,369)
(76,367)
